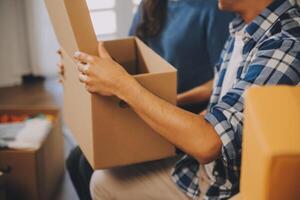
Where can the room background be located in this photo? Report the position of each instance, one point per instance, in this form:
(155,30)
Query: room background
(28,44)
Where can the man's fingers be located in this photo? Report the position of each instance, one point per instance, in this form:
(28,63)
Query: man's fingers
(60,66)
(83,78)
(102,51)
(83,57)
(83,68)
(61,69)
(203,113)
(59,52)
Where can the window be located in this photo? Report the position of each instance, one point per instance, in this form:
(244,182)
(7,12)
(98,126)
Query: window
(112,18)
(103,16)
(101,4)
(136,4)
(104,22)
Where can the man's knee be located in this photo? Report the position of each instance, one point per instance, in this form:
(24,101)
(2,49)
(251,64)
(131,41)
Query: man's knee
(99,186)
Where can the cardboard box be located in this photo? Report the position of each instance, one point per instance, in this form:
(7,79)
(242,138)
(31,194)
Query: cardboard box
(34,174)
(236,197)
(271,144)
(108,131)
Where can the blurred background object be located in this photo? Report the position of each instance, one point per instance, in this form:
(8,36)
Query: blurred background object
(28,44)
(31,153)
(28,59)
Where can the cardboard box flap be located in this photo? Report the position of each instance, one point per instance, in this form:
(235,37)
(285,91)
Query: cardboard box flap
(163,85)
(153,62)
(81,23)
(136,57)
(77,107)
(73,26)
(123,51)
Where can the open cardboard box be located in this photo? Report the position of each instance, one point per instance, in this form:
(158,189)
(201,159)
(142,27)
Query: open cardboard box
(34,174)
(108,131)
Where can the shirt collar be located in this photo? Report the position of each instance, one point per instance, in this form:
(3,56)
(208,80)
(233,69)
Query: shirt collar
(263,22)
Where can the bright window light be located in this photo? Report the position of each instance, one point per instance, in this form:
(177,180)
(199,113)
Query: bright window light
(136,2)
(104,22)
(100,4)
(134,10)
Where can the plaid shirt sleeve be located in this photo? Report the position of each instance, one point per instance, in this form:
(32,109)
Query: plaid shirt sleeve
(276,62)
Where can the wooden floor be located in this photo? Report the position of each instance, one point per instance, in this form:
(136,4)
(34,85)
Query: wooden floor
(33,92)
(39,92)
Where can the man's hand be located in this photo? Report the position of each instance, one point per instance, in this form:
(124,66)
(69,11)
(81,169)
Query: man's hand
(102,75)
(61,68)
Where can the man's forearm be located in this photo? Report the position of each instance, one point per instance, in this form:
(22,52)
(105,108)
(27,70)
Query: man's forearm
(186,130)
(199,94)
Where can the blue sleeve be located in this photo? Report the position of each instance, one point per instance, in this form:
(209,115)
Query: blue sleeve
(136,20)
(217,32)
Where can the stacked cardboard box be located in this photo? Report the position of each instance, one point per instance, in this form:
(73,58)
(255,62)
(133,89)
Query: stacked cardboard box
(34,174)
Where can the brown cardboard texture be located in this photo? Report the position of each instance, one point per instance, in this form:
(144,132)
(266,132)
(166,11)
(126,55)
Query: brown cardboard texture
(108,131)
(271,150)
(34,174)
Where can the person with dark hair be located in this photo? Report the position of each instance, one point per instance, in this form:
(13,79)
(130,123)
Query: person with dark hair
(263,49)
(190,35)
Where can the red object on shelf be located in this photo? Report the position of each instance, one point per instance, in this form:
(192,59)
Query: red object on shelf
(12,118)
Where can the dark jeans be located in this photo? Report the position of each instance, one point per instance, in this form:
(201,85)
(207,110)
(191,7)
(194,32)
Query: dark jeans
(195,108)
(80,172)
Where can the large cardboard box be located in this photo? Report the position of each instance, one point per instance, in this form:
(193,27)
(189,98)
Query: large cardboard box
(271,144)
(108,131)
(34,174)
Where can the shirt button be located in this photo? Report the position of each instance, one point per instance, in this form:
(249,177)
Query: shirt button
(216,173)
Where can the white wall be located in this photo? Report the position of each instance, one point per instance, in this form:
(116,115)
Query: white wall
(28,43)
(41,39)
(13,52)
(124,10)
(116,13)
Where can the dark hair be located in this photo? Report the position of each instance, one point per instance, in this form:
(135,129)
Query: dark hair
(154,13)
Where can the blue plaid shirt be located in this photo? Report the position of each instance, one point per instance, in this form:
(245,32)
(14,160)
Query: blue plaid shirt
(271,56)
